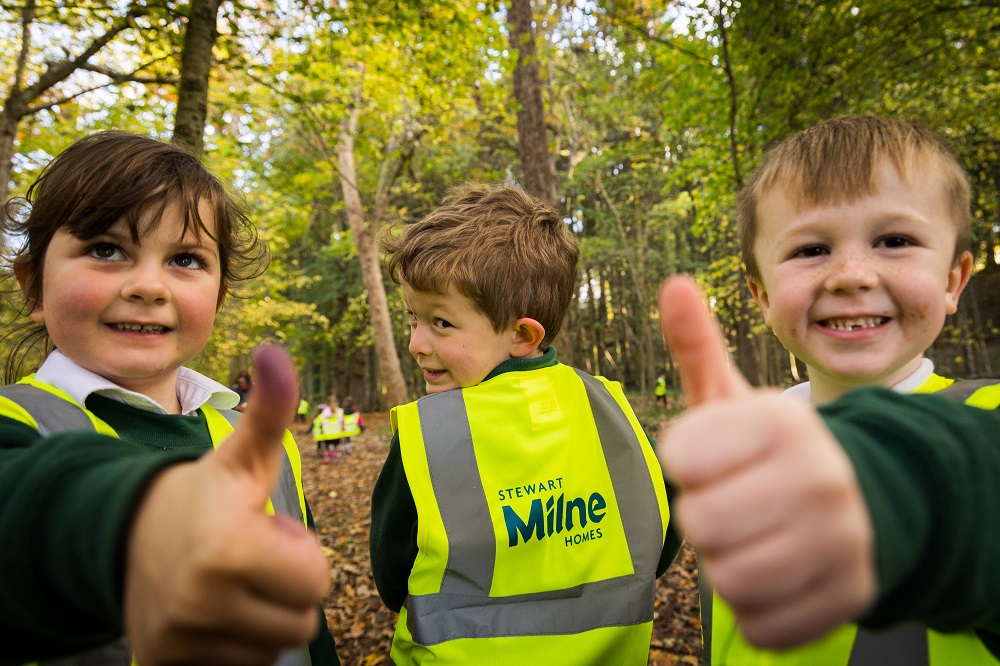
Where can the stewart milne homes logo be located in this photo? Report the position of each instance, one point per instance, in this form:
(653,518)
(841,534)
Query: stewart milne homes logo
(552,513)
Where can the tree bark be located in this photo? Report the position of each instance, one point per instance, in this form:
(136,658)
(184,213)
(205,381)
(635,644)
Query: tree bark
(536,164)
(196,67)
(537,168)
(371,272)
(748,358)
(10,118)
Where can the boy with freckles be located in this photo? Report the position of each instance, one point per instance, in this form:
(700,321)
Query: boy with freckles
(855,237)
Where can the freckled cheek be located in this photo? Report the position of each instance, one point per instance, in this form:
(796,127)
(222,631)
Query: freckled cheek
(789,309)
(920,300)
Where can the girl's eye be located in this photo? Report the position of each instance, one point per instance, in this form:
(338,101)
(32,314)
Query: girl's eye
(894,242)
(809,251)
(106,251)
(441,323)
(186,260)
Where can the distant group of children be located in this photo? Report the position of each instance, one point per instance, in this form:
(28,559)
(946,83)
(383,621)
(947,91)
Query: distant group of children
(522,513)
(334,424)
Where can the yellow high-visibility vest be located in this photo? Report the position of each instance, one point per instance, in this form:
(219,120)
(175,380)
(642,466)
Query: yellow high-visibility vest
(542,514)
(352,424)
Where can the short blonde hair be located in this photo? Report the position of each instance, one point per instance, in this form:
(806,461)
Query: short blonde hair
(838,160)
(506,251)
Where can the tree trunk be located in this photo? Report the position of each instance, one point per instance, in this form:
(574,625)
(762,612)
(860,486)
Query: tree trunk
(634,252)
(537,168)
(196,67)
(747,357)
(536,165)
(14,106)
(10,117)
(371,272)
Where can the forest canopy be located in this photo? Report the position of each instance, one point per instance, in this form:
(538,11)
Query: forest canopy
(335,119)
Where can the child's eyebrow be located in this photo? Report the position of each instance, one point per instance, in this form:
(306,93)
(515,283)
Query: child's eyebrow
(191,240)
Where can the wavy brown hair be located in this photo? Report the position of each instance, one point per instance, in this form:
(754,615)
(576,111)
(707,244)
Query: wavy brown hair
(506,251)
(105,179)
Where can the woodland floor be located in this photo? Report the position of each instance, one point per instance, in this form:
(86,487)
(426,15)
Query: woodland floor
(339,494)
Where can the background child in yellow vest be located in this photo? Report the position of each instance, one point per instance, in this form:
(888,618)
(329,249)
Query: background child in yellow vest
(302,412)
(129,246)
(331,428)
(855,236)
(661,390)
(354,424)
(511,520)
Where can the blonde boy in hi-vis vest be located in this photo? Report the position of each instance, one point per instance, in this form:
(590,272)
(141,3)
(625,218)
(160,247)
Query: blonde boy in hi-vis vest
(521,515)
(855,237)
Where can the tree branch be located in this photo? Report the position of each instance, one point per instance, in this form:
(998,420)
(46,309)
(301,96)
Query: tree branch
(61,70)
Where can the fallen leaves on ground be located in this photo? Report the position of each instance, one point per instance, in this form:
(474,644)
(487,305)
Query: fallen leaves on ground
(339,494)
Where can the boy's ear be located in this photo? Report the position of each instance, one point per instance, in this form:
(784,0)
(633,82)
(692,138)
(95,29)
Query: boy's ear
(528,334)
(759,294)
(21,274)
(958,277)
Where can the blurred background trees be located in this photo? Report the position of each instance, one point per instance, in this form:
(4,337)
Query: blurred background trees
(336,119)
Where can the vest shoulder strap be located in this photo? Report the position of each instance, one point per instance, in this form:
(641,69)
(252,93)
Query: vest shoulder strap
(285,494)
(977,392)
(51,413)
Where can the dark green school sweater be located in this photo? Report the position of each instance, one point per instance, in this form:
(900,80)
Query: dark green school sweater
(65,505)
(393,540)
(929,468)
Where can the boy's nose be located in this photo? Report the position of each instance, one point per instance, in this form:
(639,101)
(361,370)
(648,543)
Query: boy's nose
(146,283)
(418,342)
(850,272)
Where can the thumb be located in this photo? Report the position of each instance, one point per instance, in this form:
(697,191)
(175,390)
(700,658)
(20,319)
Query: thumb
(255,445)
(696,343)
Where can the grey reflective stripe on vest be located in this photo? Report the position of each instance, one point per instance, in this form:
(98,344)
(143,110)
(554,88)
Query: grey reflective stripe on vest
(963,389)
(285,494)
(463,607)
(902,645)
(52,413)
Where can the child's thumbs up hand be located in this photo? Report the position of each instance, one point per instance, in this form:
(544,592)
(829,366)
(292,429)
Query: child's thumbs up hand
(768,496)
(209,577)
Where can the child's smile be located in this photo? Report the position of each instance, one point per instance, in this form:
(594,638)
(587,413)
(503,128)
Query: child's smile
(140,328)
(854,324)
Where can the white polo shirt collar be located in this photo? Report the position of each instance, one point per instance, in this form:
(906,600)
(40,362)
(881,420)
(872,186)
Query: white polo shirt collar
(193,389)
(913,381)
